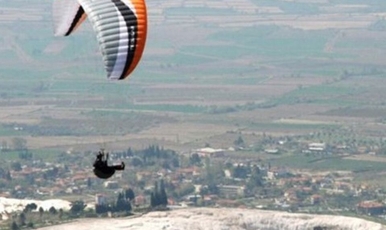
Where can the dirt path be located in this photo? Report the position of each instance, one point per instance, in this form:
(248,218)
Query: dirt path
(329,46)
(10,40)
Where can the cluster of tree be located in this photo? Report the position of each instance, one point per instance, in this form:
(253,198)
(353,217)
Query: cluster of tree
(211,188)
(365,71)
(51,127)
(4,146)
(25,155)
(183,190)
(14,226)
(158,197)
(244,171)
(156,155)
(155,152)
(16,166)
(214,109)
(122,154)
(249,106)
(24,220)
(51,173)
(256,179)
(5,174)
(195,159)
(30,207)
(241,171)
(77,208)
(122,204)
(19,144)
(239,141)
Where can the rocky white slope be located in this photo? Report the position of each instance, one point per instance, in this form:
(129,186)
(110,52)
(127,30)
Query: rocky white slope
(10,205)
(222,219)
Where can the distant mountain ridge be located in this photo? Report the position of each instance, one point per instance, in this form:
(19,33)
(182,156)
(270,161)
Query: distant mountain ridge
(224,218)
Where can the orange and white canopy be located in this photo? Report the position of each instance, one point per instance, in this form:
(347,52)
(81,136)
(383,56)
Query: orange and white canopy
(120,27)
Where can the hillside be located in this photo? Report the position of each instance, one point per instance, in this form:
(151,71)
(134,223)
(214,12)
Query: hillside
(209,67)
(216,219)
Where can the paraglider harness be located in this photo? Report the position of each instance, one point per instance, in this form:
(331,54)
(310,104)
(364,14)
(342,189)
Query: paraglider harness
(101,168)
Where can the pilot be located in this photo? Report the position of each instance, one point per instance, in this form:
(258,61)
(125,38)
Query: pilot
(102,169)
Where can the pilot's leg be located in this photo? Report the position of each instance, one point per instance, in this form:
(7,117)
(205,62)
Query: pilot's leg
(119,167)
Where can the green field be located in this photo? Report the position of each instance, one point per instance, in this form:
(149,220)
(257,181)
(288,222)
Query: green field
(44,154)
(328,163)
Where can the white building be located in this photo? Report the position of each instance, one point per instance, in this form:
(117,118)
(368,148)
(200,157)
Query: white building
(111,184)
(319,147)
(232,190)
(211,152)
(100,199)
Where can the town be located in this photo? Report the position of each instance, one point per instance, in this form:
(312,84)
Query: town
(259,175)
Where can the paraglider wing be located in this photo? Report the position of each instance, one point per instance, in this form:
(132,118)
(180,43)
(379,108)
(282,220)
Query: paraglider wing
(121,28)
(67,16)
